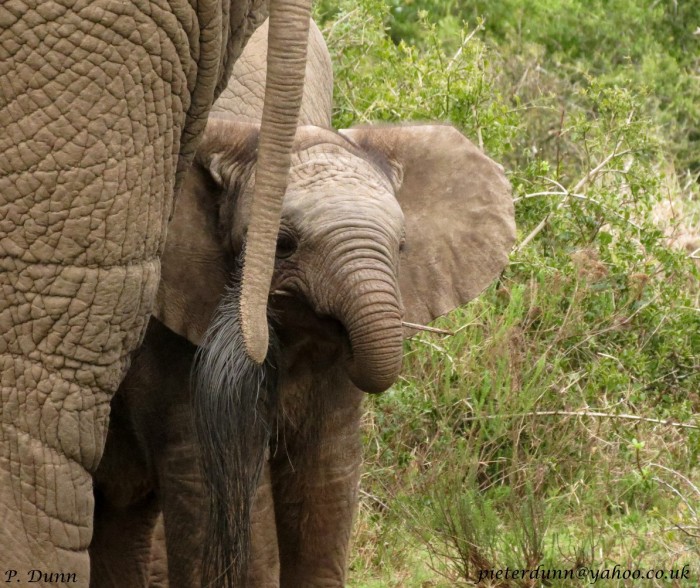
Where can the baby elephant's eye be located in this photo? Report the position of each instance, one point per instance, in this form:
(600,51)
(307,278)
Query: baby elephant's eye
(286,245)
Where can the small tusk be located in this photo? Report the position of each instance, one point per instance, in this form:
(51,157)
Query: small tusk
(425,328)
(281,293)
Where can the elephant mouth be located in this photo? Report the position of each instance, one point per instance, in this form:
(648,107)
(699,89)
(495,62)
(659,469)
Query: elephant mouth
(293,313)
(295,320)
(321,339)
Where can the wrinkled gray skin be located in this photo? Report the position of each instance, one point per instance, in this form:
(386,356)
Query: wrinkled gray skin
(378,225)
(242,99)
(102,106)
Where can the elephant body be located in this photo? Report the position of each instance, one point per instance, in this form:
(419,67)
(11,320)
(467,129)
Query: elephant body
(243,97)
(102,105)
(378,225)
(150,466)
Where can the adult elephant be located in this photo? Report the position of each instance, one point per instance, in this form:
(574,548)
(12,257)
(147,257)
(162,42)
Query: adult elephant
(102,105)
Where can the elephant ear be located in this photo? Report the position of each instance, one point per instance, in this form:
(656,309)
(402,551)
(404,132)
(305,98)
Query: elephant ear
(459,214)
(198,259)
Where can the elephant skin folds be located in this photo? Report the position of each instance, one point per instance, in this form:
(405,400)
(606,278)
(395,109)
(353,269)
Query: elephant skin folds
(101,103)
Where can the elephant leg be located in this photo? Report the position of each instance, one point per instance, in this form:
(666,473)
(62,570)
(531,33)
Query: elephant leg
(158,568)
(126,505)
(264,566)
(121,545)
(315,475)
(182,498)
(152,446)
(125,485)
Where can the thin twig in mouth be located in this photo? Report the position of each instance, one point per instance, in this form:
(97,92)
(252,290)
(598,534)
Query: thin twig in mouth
(426,328)
(404,323)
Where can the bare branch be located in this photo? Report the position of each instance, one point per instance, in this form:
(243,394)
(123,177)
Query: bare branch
(675,473)
(578,197)
(581,183)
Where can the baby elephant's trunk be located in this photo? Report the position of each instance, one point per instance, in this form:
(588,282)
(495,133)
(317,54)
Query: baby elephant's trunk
(368,305)
(234,403)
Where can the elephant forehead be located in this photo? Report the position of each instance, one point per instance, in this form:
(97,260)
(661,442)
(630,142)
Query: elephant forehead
(331,167)
(330,186)
(326,207)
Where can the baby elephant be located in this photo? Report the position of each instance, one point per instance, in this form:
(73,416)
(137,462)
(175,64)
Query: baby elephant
(380,225)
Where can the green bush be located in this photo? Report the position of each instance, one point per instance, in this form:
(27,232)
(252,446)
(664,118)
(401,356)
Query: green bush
(638,44)
(558,425)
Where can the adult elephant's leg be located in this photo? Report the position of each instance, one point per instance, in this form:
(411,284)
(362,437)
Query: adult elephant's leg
(97,99)
(315,479)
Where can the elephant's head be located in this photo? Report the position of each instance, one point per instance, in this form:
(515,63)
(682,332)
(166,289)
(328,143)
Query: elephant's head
(379,225)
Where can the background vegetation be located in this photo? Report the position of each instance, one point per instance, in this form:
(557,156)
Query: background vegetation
(558,425)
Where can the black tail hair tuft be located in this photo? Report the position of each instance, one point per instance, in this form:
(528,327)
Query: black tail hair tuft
(235,401)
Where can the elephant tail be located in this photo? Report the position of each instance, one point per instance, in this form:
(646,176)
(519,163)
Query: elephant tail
(234,403)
